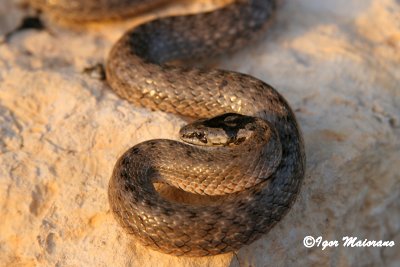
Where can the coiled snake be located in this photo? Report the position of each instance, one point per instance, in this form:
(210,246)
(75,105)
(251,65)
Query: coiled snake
(250,152)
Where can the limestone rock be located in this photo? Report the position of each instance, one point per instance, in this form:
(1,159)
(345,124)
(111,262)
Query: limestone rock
(61,131)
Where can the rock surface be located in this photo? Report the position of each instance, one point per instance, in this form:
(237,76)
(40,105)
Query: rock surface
(61,130)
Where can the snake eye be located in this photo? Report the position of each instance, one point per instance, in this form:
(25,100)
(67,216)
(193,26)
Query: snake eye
(201,137)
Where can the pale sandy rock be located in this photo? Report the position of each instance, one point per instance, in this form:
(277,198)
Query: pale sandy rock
(337,63)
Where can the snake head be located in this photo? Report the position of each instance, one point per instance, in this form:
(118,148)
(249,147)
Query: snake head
(224,130)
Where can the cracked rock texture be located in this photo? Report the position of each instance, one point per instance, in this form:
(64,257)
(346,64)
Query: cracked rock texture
(62,129)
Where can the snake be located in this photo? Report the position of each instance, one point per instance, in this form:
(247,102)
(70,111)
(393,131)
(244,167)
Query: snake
(244,151)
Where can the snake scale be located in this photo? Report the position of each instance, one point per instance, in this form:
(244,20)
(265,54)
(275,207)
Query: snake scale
(246,148)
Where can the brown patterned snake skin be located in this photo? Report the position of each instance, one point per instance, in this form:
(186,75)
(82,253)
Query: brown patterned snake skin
(254,161)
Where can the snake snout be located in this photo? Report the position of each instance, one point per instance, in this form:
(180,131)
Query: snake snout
(193,136)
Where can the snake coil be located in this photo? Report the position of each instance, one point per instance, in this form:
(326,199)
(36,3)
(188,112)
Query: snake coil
(250,153)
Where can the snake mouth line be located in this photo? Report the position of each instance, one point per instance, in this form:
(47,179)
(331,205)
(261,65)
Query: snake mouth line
(195,136)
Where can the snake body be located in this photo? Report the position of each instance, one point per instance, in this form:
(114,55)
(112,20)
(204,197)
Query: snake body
(258,168)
